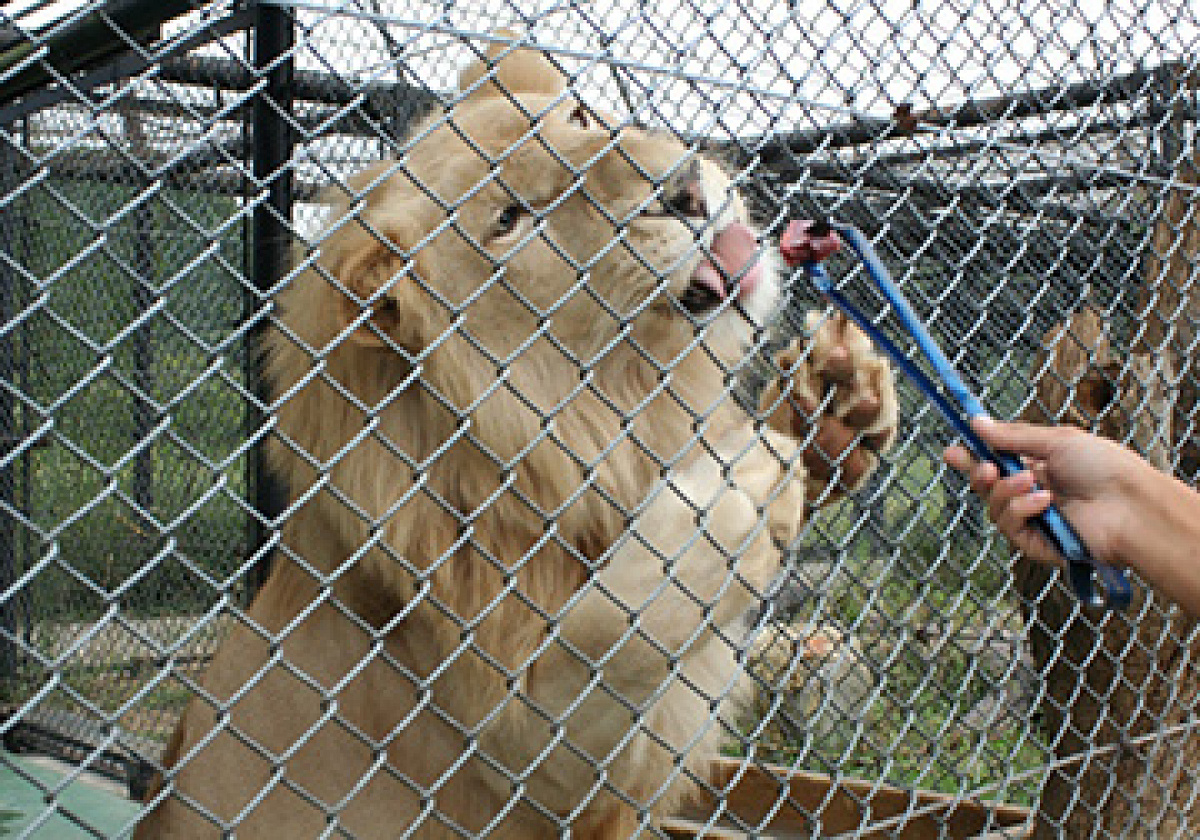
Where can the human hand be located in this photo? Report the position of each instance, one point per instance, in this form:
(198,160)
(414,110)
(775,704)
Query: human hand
(1092,480)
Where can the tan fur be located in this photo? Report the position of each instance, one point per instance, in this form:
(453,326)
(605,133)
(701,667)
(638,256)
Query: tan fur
(493,573)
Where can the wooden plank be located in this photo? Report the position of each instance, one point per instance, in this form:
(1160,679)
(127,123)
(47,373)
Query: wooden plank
(790,804)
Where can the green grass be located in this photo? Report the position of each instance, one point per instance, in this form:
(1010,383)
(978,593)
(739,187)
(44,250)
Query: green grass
(899,581)
(101,512)
(111,683)
(914,731)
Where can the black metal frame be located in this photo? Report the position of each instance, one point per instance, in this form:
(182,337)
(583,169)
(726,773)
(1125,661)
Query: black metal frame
(83,55)
(271,237)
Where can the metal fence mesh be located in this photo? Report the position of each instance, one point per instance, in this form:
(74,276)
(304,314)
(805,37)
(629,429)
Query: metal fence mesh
(1027,170)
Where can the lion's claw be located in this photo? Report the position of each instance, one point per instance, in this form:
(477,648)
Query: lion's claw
(840,404)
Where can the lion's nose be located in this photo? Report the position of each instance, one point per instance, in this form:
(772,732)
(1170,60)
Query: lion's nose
(684,192)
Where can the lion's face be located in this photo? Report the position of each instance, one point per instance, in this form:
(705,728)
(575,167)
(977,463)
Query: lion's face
(523,264)
(514,220)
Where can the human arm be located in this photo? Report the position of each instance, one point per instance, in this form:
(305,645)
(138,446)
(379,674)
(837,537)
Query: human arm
(1127,512)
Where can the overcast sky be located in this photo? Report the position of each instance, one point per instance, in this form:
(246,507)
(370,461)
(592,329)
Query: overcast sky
(733,68)
(864,55)
(767,61)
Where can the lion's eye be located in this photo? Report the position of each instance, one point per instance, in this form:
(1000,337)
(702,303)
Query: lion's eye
(579,116)
(508,220)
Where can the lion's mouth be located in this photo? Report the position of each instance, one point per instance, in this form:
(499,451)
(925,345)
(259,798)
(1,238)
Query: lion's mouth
(730,269)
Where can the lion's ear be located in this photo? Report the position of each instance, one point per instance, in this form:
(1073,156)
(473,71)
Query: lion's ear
(505,71)
(372,288)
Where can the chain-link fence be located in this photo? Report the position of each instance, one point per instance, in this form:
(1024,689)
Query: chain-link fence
(554,530)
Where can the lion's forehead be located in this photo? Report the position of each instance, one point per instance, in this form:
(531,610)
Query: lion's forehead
(459,158)
(530,147)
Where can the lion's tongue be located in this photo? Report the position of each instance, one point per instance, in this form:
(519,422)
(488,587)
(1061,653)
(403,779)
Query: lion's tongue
(734,250)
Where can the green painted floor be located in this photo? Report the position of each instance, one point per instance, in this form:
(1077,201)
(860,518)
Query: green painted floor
(90,799)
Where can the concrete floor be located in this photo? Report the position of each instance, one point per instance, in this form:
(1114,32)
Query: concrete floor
(29,782)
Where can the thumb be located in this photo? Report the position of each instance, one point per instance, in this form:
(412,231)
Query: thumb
(1041,472)
(1019,438)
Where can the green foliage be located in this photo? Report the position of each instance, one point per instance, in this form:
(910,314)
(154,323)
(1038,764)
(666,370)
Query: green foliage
(916,581)
(131,375)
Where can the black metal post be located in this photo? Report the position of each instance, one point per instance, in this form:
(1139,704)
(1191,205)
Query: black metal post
(10,555)
(143,358)
(142,341)
(271,238)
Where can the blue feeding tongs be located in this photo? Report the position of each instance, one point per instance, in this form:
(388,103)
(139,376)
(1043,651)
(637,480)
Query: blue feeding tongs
(807,244)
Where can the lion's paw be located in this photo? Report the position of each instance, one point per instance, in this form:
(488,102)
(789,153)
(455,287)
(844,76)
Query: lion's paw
(783,504)
(840,404)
